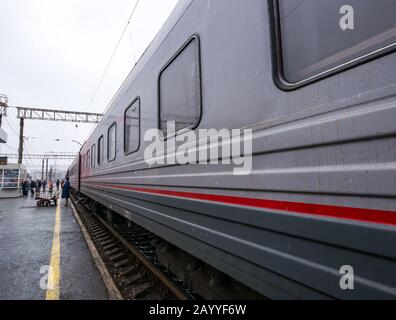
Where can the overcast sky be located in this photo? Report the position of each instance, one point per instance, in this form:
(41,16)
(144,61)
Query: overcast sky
(54,52)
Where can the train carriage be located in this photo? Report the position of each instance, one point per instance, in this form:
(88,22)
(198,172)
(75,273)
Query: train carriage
(320,100)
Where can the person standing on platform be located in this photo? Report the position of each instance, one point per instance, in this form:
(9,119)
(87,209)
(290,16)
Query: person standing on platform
(25,187)
(44,185)
(38,186)
(51,187)
(57,184)
(33,187)
(66,191)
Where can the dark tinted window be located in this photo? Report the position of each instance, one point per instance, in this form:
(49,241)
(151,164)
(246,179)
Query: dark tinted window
(111,143)
(88,159)
(132,128)
(313,41)
(180,89)
(100,150)
(93,156)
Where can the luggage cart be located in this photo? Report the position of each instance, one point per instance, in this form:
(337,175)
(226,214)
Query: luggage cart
(47,200)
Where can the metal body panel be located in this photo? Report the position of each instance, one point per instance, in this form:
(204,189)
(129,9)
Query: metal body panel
(330,143)
(300,249)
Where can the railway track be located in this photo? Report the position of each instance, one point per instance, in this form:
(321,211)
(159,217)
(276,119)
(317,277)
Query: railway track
(129,257)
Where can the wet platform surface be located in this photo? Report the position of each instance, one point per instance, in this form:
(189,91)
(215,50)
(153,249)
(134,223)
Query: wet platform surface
(26,249)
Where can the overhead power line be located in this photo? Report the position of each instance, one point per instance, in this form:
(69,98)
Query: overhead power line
(112,56)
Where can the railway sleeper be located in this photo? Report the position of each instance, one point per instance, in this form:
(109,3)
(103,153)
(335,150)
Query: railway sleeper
(128,270)
(134,279)
(104,238)
(141,289)
(110,246)
(121,263)
(100,233)
(112,251)
(117,257)
(107,242)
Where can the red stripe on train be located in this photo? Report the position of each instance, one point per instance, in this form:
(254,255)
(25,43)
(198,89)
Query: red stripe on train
(357,214)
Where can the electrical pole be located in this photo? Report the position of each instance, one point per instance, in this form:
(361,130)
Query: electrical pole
(3,107)
(46,169)
(20,150)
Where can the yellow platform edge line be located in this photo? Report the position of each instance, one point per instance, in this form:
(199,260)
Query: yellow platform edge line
(53,291)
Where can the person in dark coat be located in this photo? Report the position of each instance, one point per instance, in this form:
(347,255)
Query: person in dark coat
(33,187)
(44,184)
(66,191)
(57,184)
(38,186)
(25,188)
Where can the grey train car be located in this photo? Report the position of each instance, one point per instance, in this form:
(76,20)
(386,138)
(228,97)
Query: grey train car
(74,174)
(320,99)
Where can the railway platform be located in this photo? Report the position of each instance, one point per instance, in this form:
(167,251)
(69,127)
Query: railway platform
(35,241)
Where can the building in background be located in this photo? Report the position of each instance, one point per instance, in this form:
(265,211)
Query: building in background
(11,179)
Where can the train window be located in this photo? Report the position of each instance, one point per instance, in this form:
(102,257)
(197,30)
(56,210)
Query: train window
(132,127)
(111,142)
(93,156)
(321,37)
(100,150)
(83,162)
(180,90)
(88,158)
